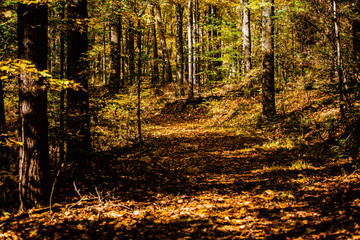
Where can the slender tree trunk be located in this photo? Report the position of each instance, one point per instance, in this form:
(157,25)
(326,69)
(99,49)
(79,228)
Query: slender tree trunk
(179,50)
(139,73)
(115,49)
(246,32)
(62,92)
(268,85)
(356,34)
(190,49)
(78,119)
(196,41)
(155,61)
(104,70)
(131,51)
(34,170)
(165,50)
(122,52)
(339,66)
(2,105)
(216,46)
(209,47)
(356,41)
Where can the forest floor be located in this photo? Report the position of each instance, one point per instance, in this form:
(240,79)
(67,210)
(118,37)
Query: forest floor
(197,179)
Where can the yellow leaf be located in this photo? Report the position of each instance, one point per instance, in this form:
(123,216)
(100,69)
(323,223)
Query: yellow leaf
(33,233)
(8,14)
(80,227)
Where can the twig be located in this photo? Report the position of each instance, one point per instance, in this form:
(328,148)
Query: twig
(82,200)
(78,192)
(99,197)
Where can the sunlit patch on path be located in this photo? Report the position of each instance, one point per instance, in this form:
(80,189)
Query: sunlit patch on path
(193,181)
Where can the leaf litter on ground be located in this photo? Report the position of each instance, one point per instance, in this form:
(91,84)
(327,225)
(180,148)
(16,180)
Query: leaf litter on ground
(194,180)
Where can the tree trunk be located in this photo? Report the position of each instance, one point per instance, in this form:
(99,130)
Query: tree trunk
(115,49)
(104,68)
(165,50)
(190,49)
(78,119)
(268,88)
(155,61)
(2,106)
(339,66)
(179,50)
(246,32)
(196,42)
(34,170)
(356,38)
(62,92)
(130,45)
(139,73)
(216,62)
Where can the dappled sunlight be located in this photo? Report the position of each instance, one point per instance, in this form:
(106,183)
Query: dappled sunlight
(236,178)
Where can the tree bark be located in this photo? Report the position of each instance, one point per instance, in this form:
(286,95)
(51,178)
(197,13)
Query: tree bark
(165,50)
(356,37)
(34,170)
(196,41)
(62,92)
(246,33)
(190,49)
(179,50)
(139,75)
(216,62)
(155,61)
(344,100)
(115,49)
(130,45)
(268,85)
(104,67)
(2,105)
(78,118)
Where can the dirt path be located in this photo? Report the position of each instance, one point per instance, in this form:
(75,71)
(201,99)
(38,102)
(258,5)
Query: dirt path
(193,182)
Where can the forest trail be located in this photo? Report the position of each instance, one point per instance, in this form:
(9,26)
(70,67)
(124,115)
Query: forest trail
(194,181)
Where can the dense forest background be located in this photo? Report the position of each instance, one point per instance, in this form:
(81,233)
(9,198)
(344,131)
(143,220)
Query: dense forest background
(213,119)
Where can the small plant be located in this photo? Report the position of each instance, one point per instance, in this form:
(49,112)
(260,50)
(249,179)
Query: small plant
(300,165)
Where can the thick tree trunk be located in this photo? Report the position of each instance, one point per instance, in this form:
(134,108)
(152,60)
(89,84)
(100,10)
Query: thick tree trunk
(78,119)
(179,50)
(155,61)
(34,167)
(190,49)
(246,33)
(165,50)
(268,85)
